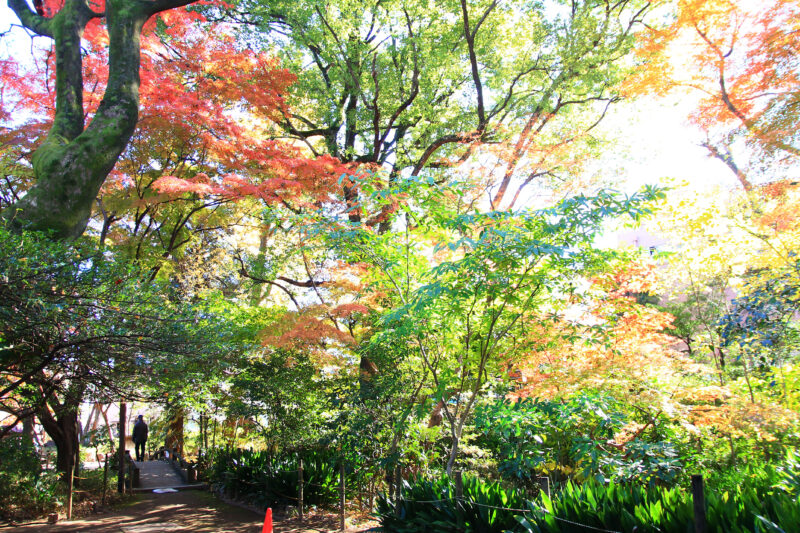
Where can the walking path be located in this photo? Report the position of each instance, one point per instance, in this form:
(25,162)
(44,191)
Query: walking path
(191,511)
(158,475)
(181,512)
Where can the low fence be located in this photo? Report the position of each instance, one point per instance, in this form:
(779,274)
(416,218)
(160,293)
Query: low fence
(698,498)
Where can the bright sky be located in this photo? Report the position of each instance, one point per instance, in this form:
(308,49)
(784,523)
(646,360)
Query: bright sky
(656,145)
(15,43)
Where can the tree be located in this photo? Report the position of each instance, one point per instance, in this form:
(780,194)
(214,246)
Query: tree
(207,107)
(408,87)
(414,91)
(741,64)
(74,161)
(623,347)
(725,246)
(459,289)
(75,325)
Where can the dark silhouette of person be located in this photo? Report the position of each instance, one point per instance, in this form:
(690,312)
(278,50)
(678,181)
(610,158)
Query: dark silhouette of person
(139,437)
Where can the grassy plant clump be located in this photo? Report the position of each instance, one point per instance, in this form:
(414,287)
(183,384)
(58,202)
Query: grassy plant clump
(432,505)
(265,478)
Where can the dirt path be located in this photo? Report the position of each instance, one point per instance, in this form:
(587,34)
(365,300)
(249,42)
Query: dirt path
(194,511)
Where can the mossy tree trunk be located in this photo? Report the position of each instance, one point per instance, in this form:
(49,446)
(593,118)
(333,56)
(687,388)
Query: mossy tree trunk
(74,161)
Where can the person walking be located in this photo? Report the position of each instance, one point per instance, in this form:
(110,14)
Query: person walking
(139,437)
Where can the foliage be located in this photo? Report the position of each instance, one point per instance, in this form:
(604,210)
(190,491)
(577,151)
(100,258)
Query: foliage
(432,303)
(431,506)
(588,435)
(26,490)
(75,309)
(462,315)
(75,324)
(75,159)
(789,473)
(265,477)
(421,87)
(738,58)
(623,508)
(285,390)
(762,318)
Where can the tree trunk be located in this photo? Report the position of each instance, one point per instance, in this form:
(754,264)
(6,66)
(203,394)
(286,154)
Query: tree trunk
(123,411)
(175,430)
(27,428)
(453,451)
(63,429)
(73,162)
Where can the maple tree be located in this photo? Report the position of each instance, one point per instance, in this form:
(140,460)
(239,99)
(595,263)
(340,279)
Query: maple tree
(637,364)
(75,159)
(207,107)
(726,246)
(625,341)
(193,157)
(739,58)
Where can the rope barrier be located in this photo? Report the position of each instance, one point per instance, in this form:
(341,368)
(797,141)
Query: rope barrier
(464,500)
(498,508)
(584,525)
(511,509)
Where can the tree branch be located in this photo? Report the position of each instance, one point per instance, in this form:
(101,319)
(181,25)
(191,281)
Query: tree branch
(156,6)
(30,20)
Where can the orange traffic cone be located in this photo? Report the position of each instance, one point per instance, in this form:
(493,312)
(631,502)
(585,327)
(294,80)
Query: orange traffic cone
(267,522)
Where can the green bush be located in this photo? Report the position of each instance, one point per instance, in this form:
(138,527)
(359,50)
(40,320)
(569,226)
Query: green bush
(26,491)
(568,439)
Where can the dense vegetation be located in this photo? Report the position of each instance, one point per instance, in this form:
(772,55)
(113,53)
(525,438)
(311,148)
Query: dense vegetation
(369,235)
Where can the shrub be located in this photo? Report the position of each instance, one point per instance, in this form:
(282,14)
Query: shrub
(573,438)
(26,491)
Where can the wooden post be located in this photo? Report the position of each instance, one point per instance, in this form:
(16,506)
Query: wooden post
(123,411)
(341,496)
(76,466)
(371,485)
(398,494)
(300,490)
(699,499)
(70,485)
(544,485)
(398,484)
(105,480)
